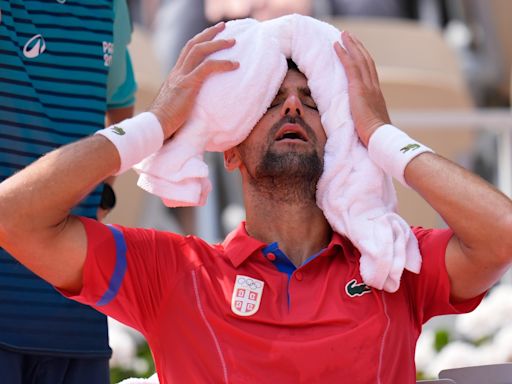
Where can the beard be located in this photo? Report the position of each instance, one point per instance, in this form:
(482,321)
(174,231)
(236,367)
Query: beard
(288,177)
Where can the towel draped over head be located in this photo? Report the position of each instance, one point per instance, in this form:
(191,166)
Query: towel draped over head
(357,198)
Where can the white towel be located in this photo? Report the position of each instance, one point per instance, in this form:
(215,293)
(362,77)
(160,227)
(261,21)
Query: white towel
(357,198)
(228,106)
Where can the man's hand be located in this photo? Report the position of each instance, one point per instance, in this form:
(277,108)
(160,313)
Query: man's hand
(367,104)
(35,225)
(480,216)
(176,97)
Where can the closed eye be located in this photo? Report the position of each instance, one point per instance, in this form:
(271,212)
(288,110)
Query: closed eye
(308,104)
(277,102)
(306,100)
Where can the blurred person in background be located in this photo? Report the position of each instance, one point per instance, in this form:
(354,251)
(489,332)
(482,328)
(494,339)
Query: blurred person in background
(374,8)
(64,67)
(257,9)
(179,20)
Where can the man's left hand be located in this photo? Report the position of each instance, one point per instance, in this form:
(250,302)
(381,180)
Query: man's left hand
(367,103)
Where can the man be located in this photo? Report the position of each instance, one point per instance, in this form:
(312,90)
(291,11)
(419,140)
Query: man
(281,299)
(59,77)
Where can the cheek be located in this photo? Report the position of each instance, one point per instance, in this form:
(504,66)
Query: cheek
(253,145)
(322,137)
(318,128)
(259,133)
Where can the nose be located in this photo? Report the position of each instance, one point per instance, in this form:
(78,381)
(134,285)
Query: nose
(292,106)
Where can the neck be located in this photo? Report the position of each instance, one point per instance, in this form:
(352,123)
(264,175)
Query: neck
(300,228)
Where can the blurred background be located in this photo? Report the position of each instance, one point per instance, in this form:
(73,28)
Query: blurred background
(445,69)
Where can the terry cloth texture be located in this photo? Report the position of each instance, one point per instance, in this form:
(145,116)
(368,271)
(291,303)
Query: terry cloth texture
(356,196)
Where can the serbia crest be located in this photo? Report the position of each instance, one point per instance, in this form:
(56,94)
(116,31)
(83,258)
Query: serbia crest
(247,294)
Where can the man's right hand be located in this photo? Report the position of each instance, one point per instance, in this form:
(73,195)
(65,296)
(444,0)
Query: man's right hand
(178,93)
(35,225)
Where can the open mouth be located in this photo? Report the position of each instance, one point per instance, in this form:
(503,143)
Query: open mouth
(291,132)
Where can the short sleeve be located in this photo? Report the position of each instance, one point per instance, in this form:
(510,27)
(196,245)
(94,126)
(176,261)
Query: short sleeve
(430,289)
(128,272)
(121,85)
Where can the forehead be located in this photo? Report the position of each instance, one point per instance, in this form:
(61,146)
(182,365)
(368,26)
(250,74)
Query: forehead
(294,79)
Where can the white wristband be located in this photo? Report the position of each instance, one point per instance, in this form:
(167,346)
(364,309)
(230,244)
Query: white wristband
(135,138)
(392,150)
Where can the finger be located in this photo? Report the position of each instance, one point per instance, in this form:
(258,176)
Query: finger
(209,67)
(357,56)
(370,64)
(206,35)
(351,69)
(200,51)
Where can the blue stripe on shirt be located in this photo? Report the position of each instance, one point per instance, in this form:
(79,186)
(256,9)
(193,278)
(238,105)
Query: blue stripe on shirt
(119,269)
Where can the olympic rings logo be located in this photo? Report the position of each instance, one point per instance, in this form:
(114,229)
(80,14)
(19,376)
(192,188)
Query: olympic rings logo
(250,283)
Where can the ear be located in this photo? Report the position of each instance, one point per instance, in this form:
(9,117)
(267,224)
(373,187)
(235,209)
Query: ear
(232,159)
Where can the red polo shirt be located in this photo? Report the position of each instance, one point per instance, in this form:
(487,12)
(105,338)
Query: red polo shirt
(240,312)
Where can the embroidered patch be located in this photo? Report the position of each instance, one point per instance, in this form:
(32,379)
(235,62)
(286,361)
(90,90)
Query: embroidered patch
(118,130)
(353,288)
(409,147)
(247,294)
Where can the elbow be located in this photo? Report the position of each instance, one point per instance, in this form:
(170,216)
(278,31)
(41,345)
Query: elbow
(4,225)
(503,242)
(3,234)
(8,230)
(10,220)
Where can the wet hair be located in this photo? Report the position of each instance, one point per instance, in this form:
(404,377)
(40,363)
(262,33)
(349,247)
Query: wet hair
(292,65)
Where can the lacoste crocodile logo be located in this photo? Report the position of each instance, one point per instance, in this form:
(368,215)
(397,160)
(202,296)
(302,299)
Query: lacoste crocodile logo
(118,130)
(409,147)
(354,289)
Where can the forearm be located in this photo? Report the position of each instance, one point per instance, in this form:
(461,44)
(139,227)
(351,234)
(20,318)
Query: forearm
(35,226)
(35,203)
(61,178)
(478,213)
(480,216)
